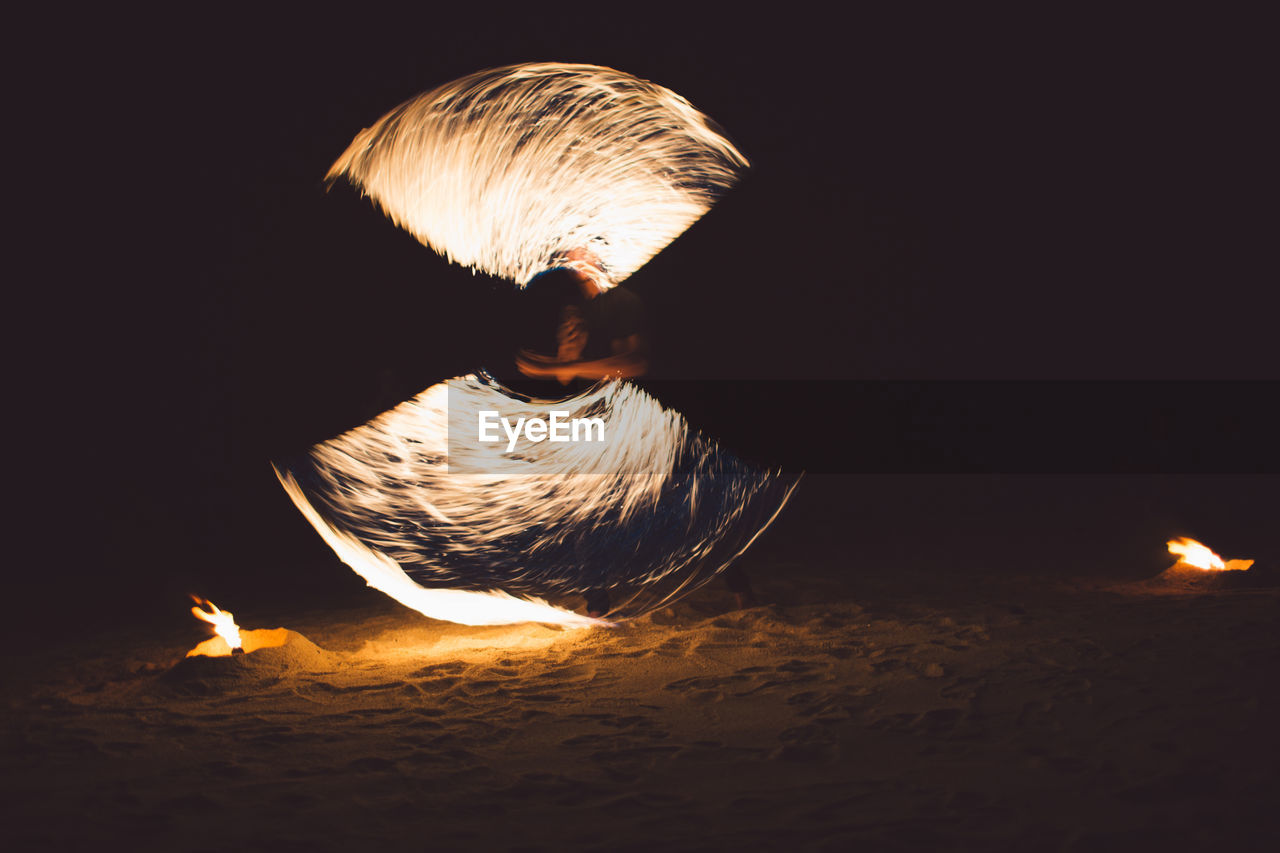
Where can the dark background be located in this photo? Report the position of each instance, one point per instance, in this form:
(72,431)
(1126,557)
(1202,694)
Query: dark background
(948,197)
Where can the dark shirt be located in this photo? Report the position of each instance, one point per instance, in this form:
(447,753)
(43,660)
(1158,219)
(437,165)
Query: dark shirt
(615,314)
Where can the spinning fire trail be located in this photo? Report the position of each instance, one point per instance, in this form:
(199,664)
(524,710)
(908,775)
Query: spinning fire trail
(511,172)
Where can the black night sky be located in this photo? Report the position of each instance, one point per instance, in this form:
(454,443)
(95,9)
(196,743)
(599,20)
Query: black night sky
(1039,201)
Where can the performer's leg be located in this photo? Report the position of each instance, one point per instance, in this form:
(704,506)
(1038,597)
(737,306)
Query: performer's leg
(740,585)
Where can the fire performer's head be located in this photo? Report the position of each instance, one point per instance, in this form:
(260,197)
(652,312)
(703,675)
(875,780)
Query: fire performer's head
(598,328)
(554,321)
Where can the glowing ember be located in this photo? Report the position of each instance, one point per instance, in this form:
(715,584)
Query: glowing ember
(1192,553)
(222,621)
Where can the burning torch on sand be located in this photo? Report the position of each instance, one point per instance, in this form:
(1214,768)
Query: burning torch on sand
(1192,555)
(223,623)
(229,640)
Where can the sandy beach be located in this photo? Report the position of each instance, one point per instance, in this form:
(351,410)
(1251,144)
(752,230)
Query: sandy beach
(998,712)
(995,283)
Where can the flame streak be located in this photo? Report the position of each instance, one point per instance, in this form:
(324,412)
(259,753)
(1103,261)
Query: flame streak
(661,511)
(222,621)
(512,171)
(1192,553)
(509,170)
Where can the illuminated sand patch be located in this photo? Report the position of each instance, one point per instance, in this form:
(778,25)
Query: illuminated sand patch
(271,656)
(251,641)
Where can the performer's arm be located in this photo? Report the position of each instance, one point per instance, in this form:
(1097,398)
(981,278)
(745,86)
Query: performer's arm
(628,360)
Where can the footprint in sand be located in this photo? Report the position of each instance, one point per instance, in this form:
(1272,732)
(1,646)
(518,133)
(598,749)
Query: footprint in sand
(797,666)
(808,743)
(577,673)
(438,685)
(627,722)
(482,688)
(225,769)
(705,688)
(439,669)
(370,764)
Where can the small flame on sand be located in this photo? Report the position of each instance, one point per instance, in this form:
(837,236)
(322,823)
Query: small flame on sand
(1192,553)
(222,621)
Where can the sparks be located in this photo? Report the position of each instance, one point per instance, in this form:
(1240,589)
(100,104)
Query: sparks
(512,170)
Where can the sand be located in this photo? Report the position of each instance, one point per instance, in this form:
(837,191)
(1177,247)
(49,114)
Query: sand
(1003,712)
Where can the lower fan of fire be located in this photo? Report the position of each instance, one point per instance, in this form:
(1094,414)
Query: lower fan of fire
(482,533)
